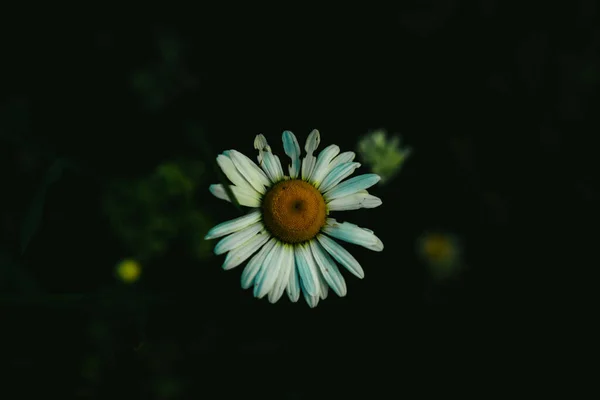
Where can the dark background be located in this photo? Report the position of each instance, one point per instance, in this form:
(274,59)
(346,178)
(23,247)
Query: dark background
(484,92)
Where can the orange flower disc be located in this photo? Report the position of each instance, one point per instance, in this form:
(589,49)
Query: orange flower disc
(294,211)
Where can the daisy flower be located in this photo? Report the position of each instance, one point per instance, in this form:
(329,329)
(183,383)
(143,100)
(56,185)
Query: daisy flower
(385,155)
(288,225)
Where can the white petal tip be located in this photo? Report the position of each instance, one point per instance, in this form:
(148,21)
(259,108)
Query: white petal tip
(294,299)
(245,284)
(260,141)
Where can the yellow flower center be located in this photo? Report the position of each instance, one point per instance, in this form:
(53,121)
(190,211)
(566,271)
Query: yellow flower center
(294,211)
(129,270)
(438,248)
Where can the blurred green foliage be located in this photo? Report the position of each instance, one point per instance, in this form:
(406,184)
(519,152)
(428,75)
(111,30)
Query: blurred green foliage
(33,216)
(164,80)
(170,50)
(168,387)
(16,129)
(590,74)
(147,214)
(13,277)
(91,369)
(14,119)
(384,155)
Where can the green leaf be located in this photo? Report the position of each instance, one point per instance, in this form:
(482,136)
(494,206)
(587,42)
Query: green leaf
(34,215)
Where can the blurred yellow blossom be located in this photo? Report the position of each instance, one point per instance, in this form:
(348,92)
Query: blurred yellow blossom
(129,270)
(384,155)
(441,252)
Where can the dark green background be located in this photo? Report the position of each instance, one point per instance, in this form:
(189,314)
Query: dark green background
(485,92)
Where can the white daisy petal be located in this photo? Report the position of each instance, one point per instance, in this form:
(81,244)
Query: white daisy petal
(271,166)
(267,276)
(353,234)
(308,164)
(277,169)
(233,225)
(328,269)
(352,186)
(279,166)
(338,174)
(307,269)
(253,266)
(238,238)
(322,165)
(265,268)
(287,267)
(293,286)
(260,142)
(249,170)
(269,162)
(341,255)
(240,254)
(354,201)
(232,173)
(245,197)
(323,287)
(292,149)
(312,301)
(347,156)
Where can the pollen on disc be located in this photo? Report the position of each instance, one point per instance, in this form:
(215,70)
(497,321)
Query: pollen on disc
(294,211)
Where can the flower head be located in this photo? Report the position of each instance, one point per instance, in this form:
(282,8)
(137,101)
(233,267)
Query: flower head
(385,155)
(288,234)
(441,252)
(128,270)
